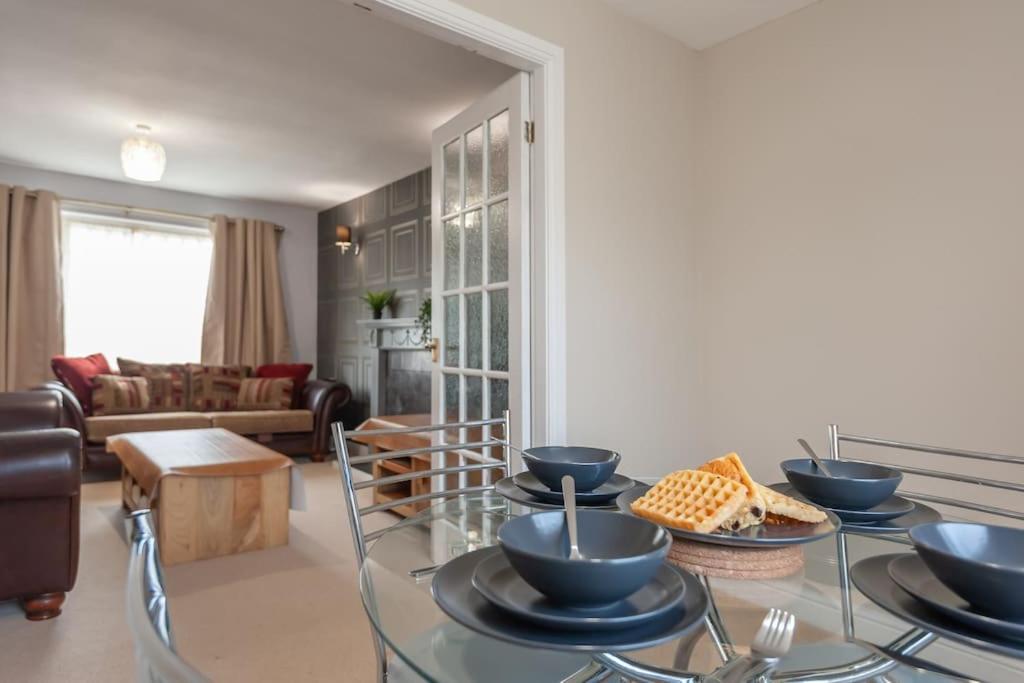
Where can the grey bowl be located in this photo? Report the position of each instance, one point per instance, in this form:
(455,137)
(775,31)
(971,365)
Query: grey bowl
(621,554)
(982,563)
(856,486)
(589,467)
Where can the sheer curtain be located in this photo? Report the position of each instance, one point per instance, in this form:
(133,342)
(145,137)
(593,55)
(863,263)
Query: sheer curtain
(134,291)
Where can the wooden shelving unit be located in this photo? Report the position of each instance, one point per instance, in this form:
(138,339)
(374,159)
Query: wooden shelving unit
(418,463)
(383,468)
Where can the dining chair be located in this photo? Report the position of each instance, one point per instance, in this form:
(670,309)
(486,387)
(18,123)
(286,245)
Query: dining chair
(468,443)
(836,438)
(156,660)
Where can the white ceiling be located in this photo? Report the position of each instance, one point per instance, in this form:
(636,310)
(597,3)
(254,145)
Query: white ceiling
(703,23)
(308,102)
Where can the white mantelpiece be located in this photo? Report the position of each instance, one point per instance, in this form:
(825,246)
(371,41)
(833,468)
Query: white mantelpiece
(383,336)
(392,334)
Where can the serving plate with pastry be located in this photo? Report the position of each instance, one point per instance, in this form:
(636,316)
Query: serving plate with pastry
(720,503)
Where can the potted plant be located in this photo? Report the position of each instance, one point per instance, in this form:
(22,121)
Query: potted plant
(424,322)
(378,301)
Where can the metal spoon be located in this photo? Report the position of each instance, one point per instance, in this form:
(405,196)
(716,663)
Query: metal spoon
(569,496)
(814,456)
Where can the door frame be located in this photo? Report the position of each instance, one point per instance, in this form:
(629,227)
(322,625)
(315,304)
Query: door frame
(545,62)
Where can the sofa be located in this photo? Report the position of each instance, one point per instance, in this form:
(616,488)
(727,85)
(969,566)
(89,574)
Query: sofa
(40,481)
(299,427)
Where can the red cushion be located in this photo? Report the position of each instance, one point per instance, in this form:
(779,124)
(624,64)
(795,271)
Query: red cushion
(77,373)
(297,371)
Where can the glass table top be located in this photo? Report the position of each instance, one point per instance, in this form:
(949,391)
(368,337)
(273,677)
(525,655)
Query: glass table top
(434,647)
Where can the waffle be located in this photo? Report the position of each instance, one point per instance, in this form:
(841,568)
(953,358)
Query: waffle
(785,510)
(692,500)
(752,512)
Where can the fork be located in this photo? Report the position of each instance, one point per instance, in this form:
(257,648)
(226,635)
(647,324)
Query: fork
(771,643)
(775,636)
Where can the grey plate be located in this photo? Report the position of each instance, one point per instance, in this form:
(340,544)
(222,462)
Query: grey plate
(912,575)
(507,488)
(605,493)
(453,592)
(896,506)
(501,585)
(922,514)
(775,535)
(871,576)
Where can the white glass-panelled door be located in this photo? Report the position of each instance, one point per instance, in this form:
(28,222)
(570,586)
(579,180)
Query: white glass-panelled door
(481,269)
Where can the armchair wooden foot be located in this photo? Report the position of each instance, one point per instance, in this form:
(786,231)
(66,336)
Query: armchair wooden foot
(42,607)
(317,457)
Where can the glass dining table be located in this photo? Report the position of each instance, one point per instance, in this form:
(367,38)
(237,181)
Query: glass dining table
(865,644)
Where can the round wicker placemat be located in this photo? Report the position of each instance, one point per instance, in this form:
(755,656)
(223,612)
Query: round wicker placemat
(735,562)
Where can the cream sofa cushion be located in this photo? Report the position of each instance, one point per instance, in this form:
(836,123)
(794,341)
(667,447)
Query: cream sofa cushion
(99,427)
(263,421)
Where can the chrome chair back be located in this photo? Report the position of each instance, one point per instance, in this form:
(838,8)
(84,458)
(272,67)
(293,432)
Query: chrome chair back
(473,455)
(836,438)
(156,660)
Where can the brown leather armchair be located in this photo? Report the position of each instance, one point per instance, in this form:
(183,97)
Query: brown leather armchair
(40,482)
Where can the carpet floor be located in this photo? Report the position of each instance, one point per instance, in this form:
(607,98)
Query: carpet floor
(291,613)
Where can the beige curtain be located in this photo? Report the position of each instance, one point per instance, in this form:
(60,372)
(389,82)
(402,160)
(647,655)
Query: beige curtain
(31,293)
(245,318)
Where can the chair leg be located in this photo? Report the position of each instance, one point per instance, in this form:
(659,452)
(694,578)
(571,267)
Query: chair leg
(382,658)
(42,607)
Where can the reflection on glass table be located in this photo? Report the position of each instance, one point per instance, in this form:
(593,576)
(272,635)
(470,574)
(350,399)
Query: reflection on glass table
(396,578)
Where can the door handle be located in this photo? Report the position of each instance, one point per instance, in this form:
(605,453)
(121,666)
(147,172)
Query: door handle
(434,345)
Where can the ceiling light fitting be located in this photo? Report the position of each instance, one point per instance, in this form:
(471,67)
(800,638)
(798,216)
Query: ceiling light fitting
(142,158)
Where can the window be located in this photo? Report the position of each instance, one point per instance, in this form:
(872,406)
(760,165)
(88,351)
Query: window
(134,288)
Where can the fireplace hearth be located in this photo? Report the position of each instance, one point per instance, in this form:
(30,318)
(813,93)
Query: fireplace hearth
(401,383)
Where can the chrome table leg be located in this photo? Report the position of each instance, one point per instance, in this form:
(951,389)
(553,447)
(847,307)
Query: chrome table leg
(842,559)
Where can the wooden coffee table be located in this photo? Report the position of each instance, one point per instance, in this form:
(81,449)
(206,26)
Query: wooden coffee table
(212,492)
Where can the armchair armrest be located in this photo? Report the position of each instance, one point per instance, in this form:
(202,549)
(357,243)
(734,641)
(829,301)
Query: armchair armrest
(29,410)
(72,413)
(324,398)
(40,464)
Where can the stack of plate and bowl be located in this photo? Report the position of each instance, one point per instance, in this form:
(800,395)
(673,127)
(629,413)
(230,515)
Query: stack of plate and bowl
(593,470)
(966,583)
(621,595)
(861,494)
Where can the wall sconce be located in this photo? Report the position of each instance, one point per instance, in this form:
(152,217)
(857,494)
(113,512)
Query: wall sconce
(343,239)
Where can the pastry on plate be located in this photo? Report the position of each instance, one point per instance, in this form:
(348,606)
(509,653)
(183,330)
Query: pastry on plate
(753,510)
(692,500)
(785,510)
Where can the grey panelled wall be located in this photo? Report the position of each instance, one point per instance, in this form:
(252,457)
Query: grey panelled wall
(392,225)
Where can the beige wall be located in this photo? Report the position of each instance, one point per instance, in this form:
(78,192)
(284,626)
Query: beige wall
(862,225)
(630,281)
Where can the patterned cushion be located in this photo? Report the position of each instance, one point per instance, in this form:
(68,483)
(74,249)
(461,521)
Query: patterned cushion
(166,392)
(215,387)
(297,371)
(77,373)
(118,395)
(265,393)
(168,383)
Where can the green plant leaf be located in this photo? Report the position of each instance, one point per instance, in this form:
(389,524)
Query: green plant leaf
(378,301)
